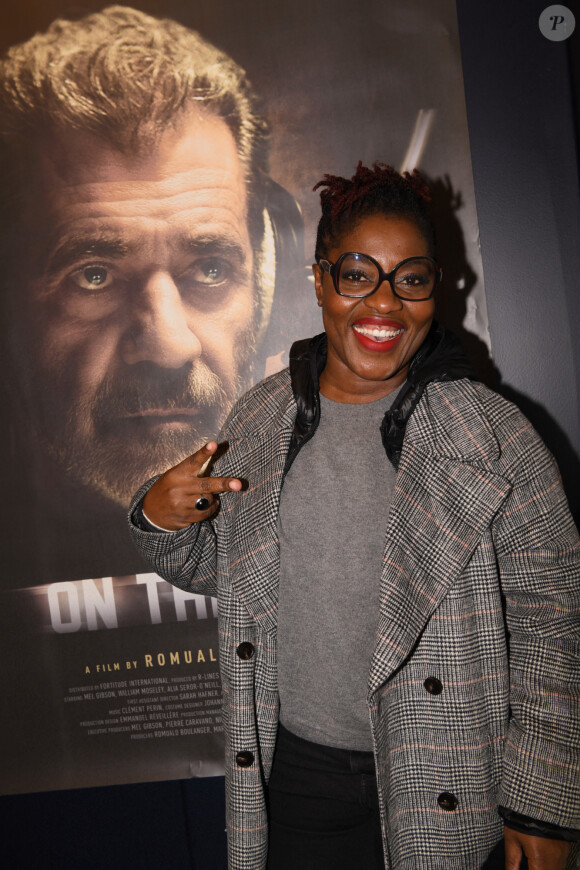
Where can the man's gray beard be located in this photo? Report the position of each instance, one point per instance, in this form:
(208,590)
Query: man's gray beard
(117,462)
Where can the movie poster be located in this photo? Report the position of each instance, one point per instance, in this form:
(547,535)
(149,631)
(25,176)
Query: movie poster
(152,271)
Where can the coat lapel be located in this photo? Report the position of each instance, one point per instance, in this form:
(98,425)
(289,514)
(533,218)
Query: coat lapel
(444,502)
(251,542)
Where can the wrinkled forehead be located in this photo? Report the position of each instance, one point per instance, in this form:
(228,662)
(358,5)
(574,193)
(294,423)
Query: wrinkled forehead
(190,178)
(198,141)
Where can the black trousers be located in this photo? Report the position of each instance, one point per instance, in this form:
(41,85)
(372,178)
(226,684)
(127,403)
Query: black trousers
(324,812)
(323,808)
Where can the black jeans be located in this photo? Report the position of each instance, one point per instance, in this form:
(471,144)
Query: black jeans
(323,806)
(324,813)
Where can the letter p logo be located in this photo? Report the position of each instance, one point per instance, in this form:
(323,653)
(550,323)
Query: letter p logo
(557,23)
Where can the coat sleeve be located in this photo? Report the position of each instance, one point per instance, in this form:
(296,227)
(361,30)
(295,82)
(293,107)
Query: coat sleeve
(538,552)
(186,558)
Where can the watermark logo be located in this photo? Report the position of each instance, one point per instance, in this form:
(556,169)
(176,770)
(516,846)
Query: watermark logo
(557,23)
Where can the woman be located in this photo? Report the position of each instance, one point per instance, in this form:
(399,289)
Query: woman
(375,714)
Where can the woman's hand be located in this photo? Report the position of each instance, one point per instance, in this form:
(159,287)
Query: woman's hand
(542,853)
(171,501)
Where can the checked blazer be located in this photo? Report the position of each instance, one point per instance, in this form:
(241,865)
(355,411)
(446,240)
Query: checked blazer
(474,681)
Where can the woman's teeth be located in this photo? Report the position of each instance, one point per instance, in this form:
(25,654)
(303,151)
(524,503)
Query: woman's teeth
(378,333)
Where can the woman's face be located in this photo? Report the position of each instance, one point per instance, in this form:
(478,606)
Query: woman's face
(371,341)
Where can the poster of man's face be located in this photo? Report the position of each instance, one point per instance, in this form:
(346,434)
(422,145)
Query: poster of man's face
(141,309)
(158,225)
(139,275)
(142,249)
(139,252)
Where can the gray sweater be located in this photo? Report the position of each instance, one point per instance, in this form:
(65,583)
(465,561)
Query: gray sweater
(333,515)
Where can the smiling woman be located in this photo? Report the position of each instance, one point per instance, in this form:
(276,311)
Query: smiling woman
(372,338)
(365,600)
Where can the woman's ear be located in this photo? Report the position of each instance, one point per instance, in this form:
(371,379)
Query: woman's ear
(318,275)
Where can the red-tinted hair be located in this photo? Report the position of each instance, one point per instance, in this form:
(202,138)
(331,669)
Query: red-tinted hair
(380,190)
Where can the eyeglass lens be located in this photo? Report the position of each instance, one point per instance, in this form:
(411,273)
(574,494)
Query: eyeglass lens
(358,276)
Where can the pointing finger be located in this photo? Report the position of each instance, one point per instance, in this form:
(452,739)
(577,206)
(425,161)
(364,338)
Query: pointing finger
(200,460)
(199,463)
(219,484)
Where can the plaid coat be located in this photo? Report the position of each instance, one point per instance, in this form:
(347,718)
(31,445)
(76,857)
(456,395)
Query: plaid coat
(473,685)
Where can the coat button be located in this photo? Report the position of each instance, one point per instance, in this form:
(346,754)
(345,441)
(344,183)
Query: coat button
(447,801)
(433,685)
(245,650)
(244,759)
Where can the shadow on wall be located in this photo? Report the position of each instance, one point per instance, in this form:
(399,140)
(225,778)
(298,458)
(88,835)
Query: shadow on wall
(458,276)
(451,307)
(555,439)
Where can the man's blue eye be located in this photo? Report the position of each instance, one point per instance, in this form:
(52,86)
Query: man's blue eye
(211,271)
(92,278)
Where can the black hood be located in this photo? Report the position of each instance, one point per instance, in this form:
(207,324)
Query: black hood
(440,358)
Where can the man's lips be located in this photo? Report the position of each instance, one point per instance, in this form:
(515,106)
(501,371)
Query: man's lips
(160,413)
(377,335)
(158,419)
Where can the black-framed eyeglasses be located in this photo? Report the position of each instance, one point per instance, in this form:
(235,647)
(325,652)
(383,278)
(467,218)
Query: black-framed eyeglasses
(358,275)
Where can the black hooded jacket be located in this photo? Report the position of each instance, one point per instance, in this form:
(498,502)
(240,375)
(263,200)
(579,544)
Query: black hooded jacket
(440,358)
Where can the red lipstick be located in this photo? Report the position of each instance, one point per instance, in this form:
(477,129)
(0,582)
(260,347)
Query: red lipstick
(376,334)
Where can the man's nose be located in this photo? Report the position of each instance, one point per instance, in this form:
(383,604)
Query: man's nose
(159,330)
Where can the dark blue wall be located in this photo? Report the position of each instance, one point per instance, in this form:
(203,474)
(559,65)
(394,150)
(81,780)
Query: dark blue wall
(170,825)
(522,119)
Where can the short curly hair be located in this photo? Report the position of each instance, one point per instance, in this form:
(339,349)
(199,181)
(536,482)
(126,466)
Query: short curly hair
(380,190)
(123,76)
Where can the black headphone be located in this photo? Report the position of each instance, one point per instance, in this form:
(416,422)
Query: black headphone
(287,225)
(284,235)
